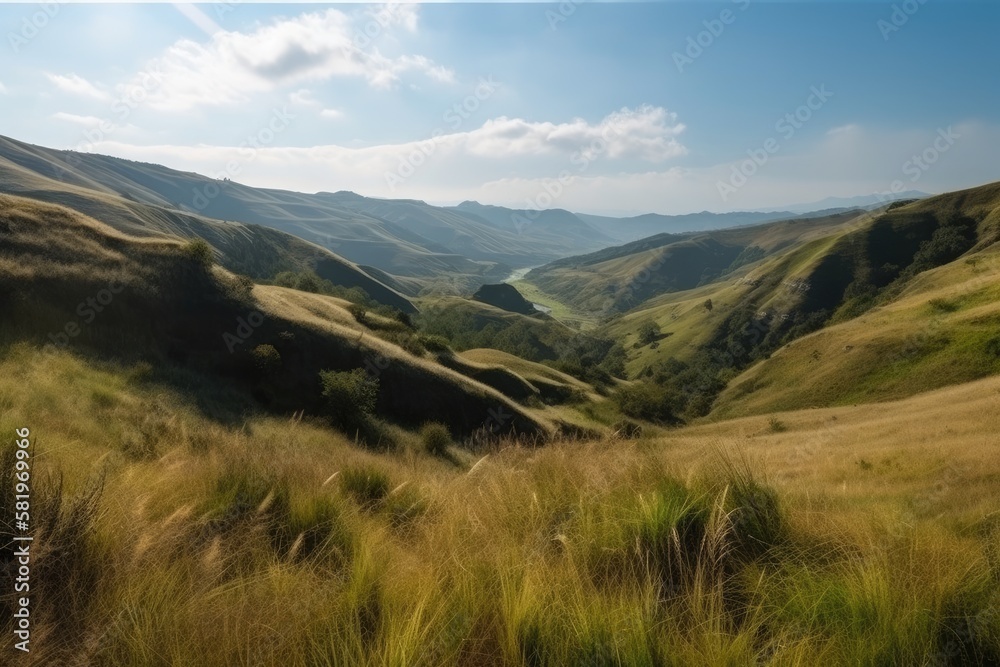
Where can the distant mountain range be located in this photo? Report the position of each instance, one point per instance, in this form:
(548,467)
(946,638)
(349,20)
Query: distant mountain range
(860,201)
(406,246)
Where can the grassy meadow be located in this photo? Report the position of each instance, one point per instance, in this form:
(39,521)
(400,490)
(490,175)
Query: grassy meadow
(843,536)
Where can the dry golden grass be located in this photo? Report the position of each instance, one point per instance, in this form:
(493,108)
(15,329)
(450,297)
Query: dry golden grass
(281,541)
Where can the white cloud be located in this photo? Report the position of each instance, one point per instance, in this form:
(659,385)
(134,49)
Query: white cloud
(3,89)
(331,114)
(88,121)
(311,47)
(395,13)
(77,85)
(303,98)
(627,176)
(647,133)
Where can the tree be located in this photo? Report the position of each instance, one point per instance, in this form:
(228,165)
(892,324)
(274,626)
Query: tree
(648,332)
(350,396)
(708,305)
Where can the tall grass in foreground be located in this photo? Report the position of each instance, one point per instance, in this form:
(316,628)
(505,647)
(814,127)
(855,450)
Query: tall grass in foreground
(283,543)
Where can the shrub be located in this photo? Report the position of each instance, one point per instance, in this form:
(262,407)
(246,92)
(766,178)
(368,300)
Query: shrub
(776,425)
(241,288)
(200,251)
(403,318)
(350,397)
(647,332)
(359,313)
(435,343)
(266,359)
(436,438)
(367,485)
(644,400)
(708,305)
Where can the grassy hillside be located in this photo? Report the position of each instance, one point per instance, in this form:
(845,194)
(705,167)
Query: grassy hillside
(621,278)
(70,282)
(859,536)
(256,251)
(401,237)
(942,330)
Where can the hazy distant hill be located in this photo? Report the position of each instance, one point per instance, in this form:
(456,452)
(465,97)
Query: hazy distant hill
(402,237)
(256,251)
(860,201)
(650,224)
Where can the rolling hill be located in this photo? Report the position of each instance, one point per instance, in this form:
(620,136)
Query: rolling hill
(401,237)
(68,282)
(620,278)
(253,250)
(853,307)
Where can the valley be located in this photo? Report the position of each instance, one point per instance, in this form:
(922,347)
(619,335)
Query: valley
(782,431)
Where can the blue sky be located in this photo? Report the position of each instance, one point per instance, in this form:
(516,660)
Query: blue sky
(597,107)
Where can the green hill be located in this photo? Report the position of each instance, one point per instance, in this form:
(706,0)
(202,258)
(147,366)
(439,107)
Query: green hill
(70,282)
(621,278)
(401,237)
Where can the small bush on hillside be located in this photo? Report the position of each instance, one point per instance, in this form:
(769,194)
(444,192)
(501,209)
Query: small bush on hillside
(648,332)
(435,344)
(435,438)
(200,251)
(650,402)
(241,288)
(350,396)
(367,485)
(266,359)
(359,313)
(402,318)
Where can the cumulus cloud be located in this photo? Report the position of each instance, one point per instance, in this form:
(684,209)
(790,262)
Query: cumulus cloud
(331,114)
(311,47)
(77,85)
(3,89)
(647,133)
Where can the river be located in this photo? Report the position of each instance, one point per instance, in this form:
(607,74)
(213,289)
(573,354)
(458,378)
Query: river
(521,273)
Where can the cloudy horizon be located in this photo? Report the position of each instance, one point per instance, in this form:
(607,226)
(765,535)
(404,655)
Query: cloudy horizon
(595,108)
